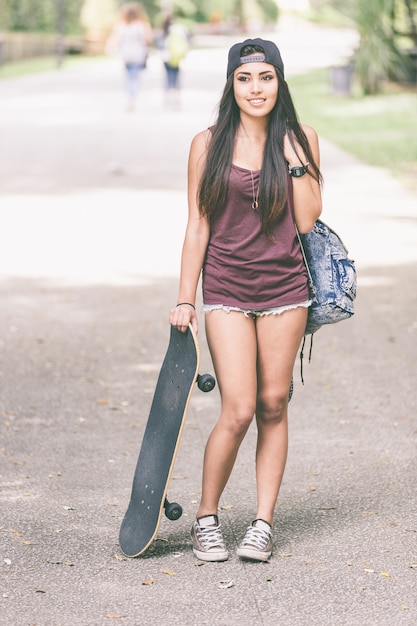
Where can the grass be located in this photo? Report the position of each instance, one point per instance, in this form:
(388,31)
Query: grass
(380,130)
(37,65)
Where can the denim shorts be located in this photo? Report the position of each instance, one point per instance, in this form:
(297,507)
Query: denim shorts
(254,313)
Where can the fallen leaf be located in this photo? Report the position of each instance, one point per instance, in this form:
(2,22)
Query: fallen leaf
(110,616)
(102,401)
(225,584)
(227,507)
(313,488)
(118,557)
(404,607)
(284,554)
(386,574)
(369,571)
(169,572)
(269,579)
(148,582)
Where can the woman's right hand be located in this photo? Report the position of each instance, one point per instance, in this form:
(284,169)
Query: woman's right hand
(183,315)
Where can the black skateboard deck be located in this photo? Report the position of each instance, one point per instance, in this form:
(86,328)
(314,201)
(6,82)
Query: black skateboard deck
(179,373)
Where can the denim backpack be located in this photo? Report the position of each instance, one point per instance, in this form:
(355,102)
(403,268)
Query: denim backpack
(331,276)
(331,280)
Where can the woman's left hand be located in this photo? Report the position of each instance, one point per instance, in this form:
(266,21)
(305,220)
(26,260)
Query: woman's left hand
(293,152)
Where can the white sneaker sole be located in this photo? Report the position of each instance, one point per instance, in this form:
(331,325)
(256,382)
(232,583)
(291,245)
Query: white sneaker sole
(211,556)
(253,555)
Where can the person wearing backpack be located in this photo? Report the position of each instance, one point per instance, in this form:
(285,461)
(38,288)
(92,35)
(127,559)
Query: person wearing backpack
(253,177)
(175,45)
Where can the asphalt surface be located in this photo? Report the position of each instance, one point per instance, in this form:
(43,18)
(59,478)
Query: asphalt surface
(93,208)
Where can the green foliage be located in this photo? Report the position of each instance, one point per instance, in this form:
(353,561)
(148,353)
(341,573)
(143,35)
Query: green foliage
(270,10)
(152,8)
(380,130)
(40,16)
(378,56)
(184,9)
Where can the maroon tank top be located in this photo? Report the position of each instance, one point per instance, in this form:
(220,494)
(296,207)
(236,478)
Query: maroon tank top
(244,268)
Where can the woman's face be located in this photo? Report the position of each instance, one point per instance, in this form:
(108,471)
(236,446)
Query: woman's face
(255,87)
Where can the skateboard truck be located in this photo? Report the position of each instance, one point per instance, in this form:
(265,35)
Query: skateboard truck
(173,510)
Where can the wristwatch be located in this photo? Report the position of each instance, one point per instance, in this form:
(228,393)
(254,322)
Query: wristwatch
(298,170)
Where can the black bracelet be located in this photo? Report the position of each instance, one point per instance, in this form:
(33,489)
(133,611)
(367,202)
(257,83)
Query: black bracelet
(189,304)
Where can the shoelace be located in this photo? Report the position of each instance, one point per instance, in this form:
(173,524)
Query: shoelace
(256,537)
(210,536)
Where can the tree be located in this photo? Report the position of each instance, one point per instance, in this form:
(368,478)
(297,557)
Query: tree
(39,16)
(378,56)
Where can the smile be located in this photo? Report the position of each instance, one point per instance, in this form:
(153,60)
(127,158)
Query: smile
(257,101)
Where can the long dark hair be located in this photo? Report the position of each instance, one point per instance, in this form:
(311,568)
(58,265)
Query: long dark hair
(273,183)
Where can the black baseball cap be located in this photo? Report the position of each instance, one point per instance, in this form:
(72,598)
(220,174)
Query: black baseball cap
(270,54)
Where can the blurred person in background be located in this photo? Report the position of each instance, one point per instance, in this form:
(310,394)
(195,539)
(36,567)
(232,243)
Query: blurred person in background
(174,44)
(130,39)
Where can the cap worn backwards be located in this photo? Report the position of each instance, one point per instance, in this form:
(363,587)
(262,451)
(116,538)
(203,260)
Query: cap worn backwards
(270,55)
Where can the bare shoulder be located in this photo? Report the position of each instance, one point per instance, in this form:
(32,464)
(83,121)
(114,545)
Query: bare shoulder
(199,144)
(201,141)
(310,133)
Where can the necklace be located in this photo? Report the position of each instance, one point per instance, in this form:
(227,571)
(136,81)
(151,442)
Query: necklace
(255,204)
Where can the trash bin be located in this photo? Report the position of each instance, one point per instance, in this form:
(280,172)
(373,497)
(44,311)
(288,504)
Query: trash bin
(341,78)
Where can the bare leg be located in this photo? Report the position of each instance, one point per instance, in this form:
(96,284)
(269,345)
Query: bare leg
(278,339)
(232,342)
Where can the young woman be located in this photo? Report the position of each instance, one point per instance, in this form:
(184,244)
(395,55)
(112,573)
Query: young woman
(250,177)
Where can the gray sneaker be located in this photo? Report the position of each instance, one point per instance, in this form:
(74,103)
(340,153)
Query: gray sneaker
(257,543)
(208,544)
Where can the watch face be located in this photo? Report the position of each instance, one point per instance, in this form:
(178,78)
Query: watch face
(298,171)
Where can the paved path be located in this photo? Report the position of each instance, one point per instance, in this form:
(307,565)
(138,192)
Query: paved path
(93,208)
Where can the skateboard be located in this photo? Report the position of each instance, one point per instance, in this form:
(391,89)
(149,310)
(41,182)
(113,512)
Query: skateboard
(179,373)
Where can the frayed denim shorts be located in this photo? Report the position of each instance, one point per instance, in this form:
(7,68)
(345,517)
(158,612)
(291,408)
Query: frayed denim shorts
(254,313)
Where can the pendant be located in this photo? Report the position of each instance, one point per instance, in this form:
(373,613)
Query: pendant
(255,205)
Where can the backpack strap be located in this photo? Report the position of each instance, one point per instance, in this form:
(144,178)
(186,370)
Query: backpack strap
(302,355)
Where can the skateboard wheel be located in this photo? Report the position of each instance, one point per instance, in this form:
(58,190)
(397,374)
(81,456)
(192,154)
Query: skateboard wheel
(206,382)
(173,510)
